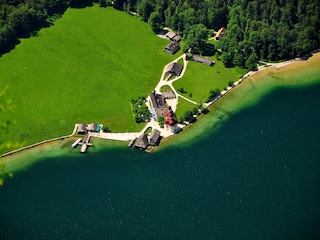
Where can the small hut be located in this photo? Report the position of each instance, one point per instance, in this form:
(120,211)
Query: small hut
(221,32)
(170,35)
(202,60)
(177,38)
(154,138)
(172,47)
(142,142)
(83,128)
(174,68)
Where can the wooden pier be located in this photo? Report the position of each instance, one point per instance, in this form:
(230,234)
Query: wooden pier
(85,143)
(131,142)
(75,144)
(84,148)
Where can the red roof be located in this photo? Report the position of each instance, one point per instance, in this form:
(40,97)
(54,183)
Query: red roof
(170,117)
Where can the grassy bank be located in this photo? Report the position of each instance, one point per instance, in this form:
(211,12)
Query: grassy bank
(183,107)
(85,68)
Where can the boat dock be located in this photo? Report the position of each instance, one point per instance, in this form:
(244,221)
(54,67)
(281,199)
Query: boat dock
(131,142)
(75,144)
(84,148)
(85,142)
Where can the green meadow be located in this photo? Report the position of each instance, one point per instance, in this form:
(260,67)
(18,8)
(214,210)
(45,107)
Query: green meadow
(184,106)
(84,68)
(200,78)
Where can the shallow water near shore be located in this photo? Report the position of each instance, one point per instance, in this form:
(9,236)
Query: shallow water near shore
(249,174)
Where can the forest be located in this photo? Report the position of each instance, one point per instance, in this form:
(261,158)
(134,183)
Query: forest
(270,30)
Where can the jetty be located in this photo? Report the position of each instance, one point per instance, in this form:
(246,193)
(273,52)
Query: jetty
(85,143)
(131,142)
(75,144)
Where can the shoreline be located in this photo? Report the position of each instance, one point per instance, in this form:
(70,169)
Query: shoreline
(40,143)
(292,74)
(288,67)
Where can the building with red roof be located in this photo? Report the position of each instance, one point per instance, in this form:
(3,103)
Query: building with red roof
(170,120)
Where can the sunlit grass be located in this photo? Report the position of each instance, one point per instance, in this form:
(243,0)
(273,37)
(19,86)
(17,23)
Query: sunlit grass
(200,78)
(85,68)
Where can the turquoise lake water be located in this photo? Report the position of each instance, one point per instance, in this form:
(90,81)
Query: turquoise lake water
(256,177)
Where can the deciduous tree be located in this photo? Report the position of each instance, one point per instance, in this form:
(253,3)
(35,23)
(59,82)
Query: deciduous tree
(155,21)
(195,37)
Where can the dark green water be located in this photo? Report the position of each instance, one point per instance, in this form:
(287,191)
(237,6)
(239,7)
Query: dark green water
(257,177)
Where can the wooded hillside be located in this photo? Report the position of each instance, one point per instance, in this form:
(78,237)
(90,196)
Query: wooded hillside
(258,29)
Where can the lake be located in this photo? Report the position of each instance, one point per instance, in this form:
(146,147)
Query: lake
(252,175)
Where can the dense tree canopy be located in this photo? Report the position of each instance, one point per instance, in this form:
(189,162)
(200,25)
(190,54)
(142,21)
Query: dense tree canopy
(195,36)
(262,29)
(20,18)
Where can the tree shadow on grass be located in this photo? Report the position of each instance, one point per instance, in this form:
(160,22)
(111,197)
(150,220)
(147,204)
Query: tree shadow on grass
(8,47)
(31,31)
(81,3)
(209,49)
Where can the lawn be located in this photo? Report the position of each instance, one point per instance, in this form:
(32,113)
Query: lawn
(85,68)
(200,78)
(183,107)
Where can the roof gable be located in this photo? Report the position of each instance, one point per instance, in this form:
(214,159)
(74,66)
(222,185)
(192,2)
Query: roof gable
(174,68)
(154,137)
(172,47)
(142,142)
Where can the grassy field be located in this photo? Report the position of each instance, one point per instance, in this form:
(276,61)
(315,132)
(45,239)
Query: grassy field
(85,68)
(200,78)
(183,107)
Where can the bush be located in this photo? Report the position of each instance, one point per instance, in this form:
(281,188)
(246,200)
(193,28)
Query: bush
(181,120)
(181,90)
(212,94)
(140,109)
(188,115)
(161,121)
(106,129)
